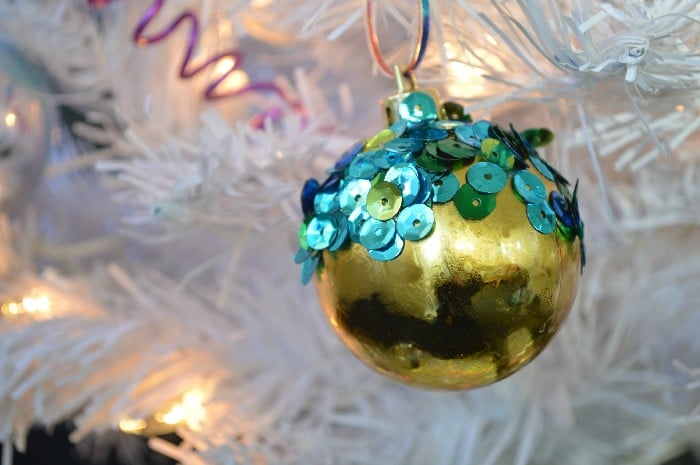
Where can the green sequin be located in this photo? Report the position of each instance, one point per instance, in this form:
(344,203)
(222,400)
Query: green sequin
(473,205)
(384,200)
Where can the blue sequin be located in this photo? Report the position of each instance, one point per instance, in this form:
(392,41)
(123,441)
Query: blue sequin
(342,232)
(348,156)
(356,220)
(426,186)
(487,177)
(376,234)
(308,192)
(529,186)
(429,134)
(562,209)
(404,145)
(399,127)
(445,186)
(385,159)
(321,231)
(308,267)
(541,217)
(415,222)
(353,194)
(389,252)
(326,200)
(406,178)
(363,167)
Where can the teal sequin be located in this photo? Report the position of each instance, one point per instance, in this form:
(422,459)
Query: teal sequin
(354,194)
(404,145)
(405,176)
(355,221)
(445,187)
(321,231)
(326,201)
(363,167)
(385,159)
(415,222)
(301,255)
(541,217)
(389,252)
(430,134)
(308,267)
(487,177)
(376,234)
(426,186)
(529,186)
(473,134)
(541,166)
(418,107)
(399,127)
(341,234)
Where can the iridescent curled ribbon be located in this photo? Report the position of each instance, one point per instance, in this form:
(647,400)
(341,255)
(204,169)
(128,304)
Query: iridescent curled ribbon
(141,39)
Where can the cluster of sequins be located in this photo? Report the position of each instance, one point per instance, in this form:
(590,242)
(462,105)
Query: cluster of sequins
(380,193)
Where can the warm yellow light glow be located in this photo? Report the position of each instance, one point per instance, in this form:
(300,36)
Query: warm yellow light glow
(450,51)
(10,119)
(174,416)
(680,108)
(260,3)
(28,304)
(464,78)
(132,426)
(490,39)
(188,411)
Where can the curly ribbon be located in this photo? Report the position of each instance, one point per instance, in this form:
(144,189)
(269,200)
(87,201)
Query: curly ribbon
(212,92)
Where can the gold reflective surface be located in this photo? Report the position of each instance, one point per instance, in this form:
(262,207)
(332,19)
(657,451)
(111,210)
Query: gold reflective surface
(465,307)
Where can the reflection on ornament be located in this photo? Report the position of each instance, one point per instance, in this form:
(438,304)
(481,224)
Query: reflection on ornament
(25,124)
(34,303)
(458,261)
(188,412)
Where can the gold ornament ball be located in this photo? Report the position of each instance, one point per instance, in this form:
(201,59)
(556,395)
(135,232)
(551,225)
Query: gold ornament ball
(464,307)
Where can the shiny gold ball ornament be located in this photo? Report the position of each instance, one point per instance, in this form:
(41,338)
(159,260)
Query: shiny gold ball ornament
(446,253)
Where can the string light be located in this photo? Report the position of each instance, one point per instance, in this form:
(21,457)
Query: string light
(10,119)
(132,426)
(32,304)
(188,411)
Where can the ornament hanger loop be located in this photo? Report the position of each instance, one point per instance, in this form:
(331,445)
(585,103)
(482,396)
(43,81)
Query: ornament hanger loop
(421,41)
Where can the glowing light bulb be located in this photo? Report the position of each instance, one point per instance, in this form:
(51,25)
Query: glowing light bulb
(10,119)
(132,426)
(31,304)
(188,411)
